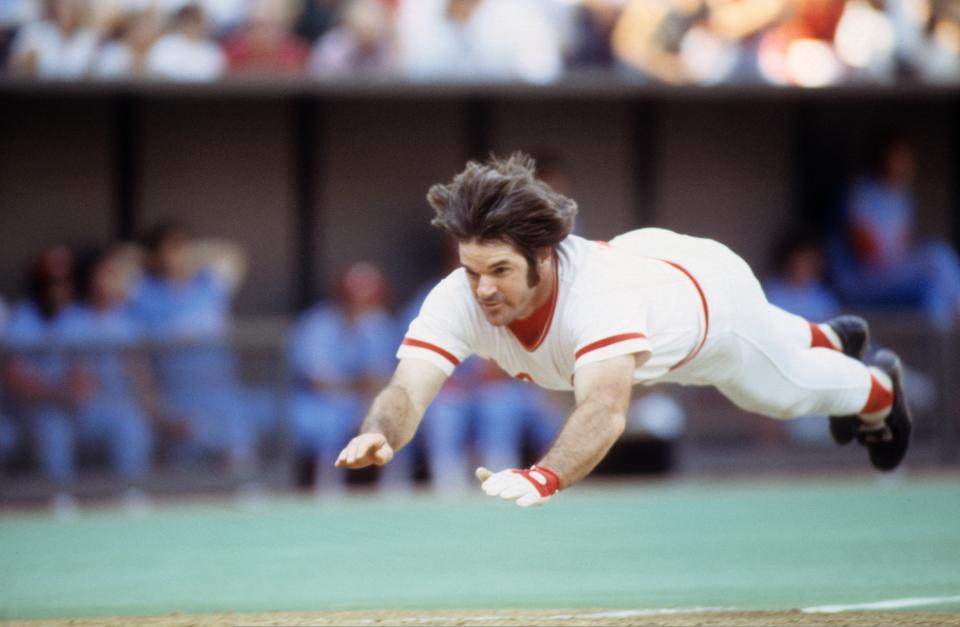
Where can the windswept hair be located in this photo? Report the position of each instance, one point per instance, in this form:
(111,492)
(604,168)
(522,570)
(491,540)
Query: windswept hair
(502,200)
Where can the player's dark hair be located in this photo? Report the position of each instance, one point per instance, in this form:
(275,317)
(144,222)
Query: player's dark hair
(502,200)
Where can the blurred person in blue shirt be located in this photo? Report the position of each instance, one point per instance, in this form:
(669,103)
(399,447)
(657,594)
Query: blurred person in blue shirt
(182,302)
(9,437)
(878,262)
(339,354)
(104,332)
(799,284)
(45,388)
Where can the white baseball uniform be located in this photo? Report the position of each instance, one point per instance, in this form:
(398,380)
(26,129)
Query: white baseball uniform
(691,303)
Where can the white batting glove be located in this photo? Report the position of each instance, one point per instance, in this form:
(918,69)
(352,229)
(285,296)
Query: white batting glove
(532,486)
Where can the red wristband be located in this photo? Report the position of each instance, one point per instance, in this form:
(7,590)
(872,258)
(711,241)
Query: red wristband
(543,479)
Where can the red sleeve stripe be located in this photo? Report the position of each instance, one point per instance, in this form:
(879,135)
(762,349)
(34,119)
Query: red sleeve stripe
(409,341)
(623,337)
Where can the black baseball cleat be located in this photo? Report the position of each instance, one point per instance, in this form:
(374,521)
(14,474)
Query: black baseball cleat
(888,444)
(854,335)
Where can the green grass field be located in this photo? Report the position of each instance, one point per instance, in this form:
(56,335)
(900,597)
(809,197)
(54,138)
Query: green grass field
(750,545)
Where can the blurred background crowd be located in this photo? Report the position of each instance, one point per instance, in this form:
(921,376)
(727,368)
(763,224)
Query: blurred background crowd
(810,43)
(122,356)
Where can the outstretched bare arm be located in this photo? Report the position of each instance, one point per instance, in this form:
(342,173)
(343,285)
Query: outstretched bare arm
(603,397)
(395,414)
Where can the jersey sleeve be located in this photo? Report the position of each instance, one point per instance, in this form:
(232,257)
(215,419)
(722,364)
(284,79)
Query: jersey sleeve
(442,333)
(606,325)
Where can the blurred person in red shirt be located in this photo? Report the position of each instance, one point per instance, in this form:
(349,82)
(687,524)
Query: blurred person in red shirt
(800,50)
(266,45)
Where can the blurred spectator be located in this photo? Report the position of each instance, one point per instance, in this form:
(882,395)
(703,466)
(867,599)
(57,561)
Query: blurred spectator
(14,14)
(4,314)
(103,330)
(265,44)
(187,53)
(478,39)
(340,353)
(126,52)
(799,283)
(317,17)
(45,388)
(693,41)
(865,41)
(9,440)
(8,432)
(927,34)
(183,300)
(877,261)
(61,46)
(593,24)
(800,50)
(362,43)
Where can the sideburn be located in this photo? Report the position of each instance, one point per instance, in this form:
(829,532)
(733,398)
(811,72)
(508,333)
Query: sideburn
(533,275)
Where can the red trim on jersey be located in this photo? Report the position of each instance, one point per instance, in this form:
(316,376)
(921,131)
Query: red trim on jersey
(532,330)
(409,341)
(819,339)
(880,397)
(706,315)
(623,337)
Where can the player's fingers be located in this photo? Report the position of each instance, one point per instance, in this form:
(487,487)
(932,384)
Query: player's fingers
(483,474)
(341,458)
(497,483)
(357,453)
(529,499)
(515,490)
(351,452)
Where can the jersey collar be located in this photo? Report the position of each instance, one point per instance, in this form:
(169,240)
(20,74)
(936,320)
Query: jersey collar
(532,330)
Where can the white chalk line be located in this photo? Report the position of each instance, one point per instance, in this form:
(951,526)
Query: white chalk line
(889,604)
(604,614)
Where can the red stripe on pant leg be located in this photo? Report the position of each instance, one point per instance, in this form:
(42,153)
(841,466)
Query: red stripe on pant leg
(819,339)
(880,398)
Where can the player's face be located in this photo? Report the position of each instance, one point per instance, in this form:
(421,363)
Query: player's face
(498,280)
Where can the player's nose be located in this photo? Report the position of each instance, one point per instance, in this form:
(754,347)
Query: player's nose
(486,288)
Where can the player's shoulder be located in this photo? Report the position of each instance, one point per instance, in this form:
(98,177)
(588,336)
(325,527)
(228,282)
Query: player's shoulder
(451,291)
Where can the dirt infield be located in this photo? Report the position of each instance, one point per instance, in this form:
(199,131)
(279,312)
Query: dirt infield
(498,618)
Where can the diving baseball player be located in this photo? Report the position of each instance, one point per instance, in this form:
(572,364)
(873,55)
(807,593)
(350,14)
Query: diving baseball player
(650,306)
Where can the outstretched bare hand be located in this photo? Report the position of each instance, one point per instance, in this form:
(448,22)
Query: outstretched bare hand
(364,450)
